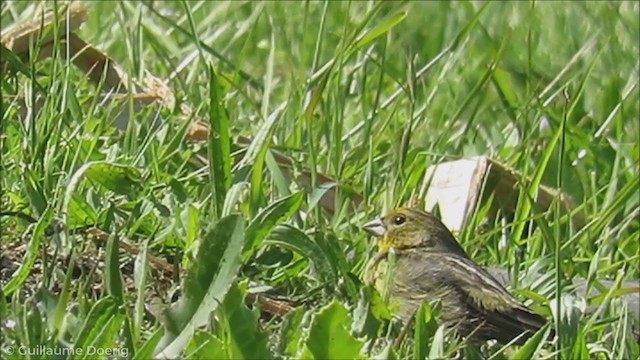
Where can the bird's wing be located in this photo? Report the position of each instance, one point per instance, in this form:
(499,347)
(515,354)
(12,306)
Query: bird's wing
(500,311)
(489,297)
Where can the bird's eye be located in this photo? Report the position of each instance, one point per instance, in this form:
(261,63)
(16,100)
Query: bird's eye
(399,219)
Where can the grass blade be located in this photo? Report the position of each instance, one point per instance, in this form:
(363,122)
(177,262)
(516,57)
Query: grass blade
(219,149)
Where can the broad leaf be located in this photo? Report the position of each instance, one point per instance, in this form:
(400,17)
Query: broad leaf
(329,337)
(99,319)
(268,218)
(204,345)
(291,332)
(295,240)
(115,177)
(246,340)
(208,280)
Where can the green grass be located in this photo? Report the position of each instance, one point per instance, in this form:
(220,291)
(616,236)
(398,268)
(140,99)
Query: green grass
(367,93)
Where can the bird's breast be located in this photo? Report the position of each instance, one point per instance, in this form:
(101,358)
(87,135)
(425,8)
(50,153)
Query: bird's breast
(404,290)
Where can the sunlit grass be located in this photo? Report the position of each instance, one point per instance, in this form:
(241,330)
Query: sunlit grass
(369,94)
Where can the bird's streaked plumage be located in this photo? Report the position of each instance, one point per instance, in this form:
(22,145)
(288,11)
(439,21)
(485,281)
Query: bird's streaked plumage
(431,265)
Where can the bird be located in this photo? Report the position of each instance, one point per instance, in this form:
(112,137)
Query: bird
(431,265)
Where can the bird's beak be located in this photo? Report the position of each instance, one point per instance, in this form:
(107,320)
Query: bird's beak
(375,227)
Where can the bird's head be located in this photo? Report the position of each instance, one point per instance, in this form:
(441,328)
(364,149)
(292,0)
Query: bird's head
(404,228)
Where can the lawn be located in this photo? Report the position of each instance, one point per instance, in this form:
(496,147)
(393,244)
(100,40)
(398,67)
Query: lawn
(125,234)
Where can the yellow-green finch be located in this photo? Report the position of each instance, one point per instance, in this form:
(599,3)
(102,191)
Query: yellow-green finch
(431,265)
